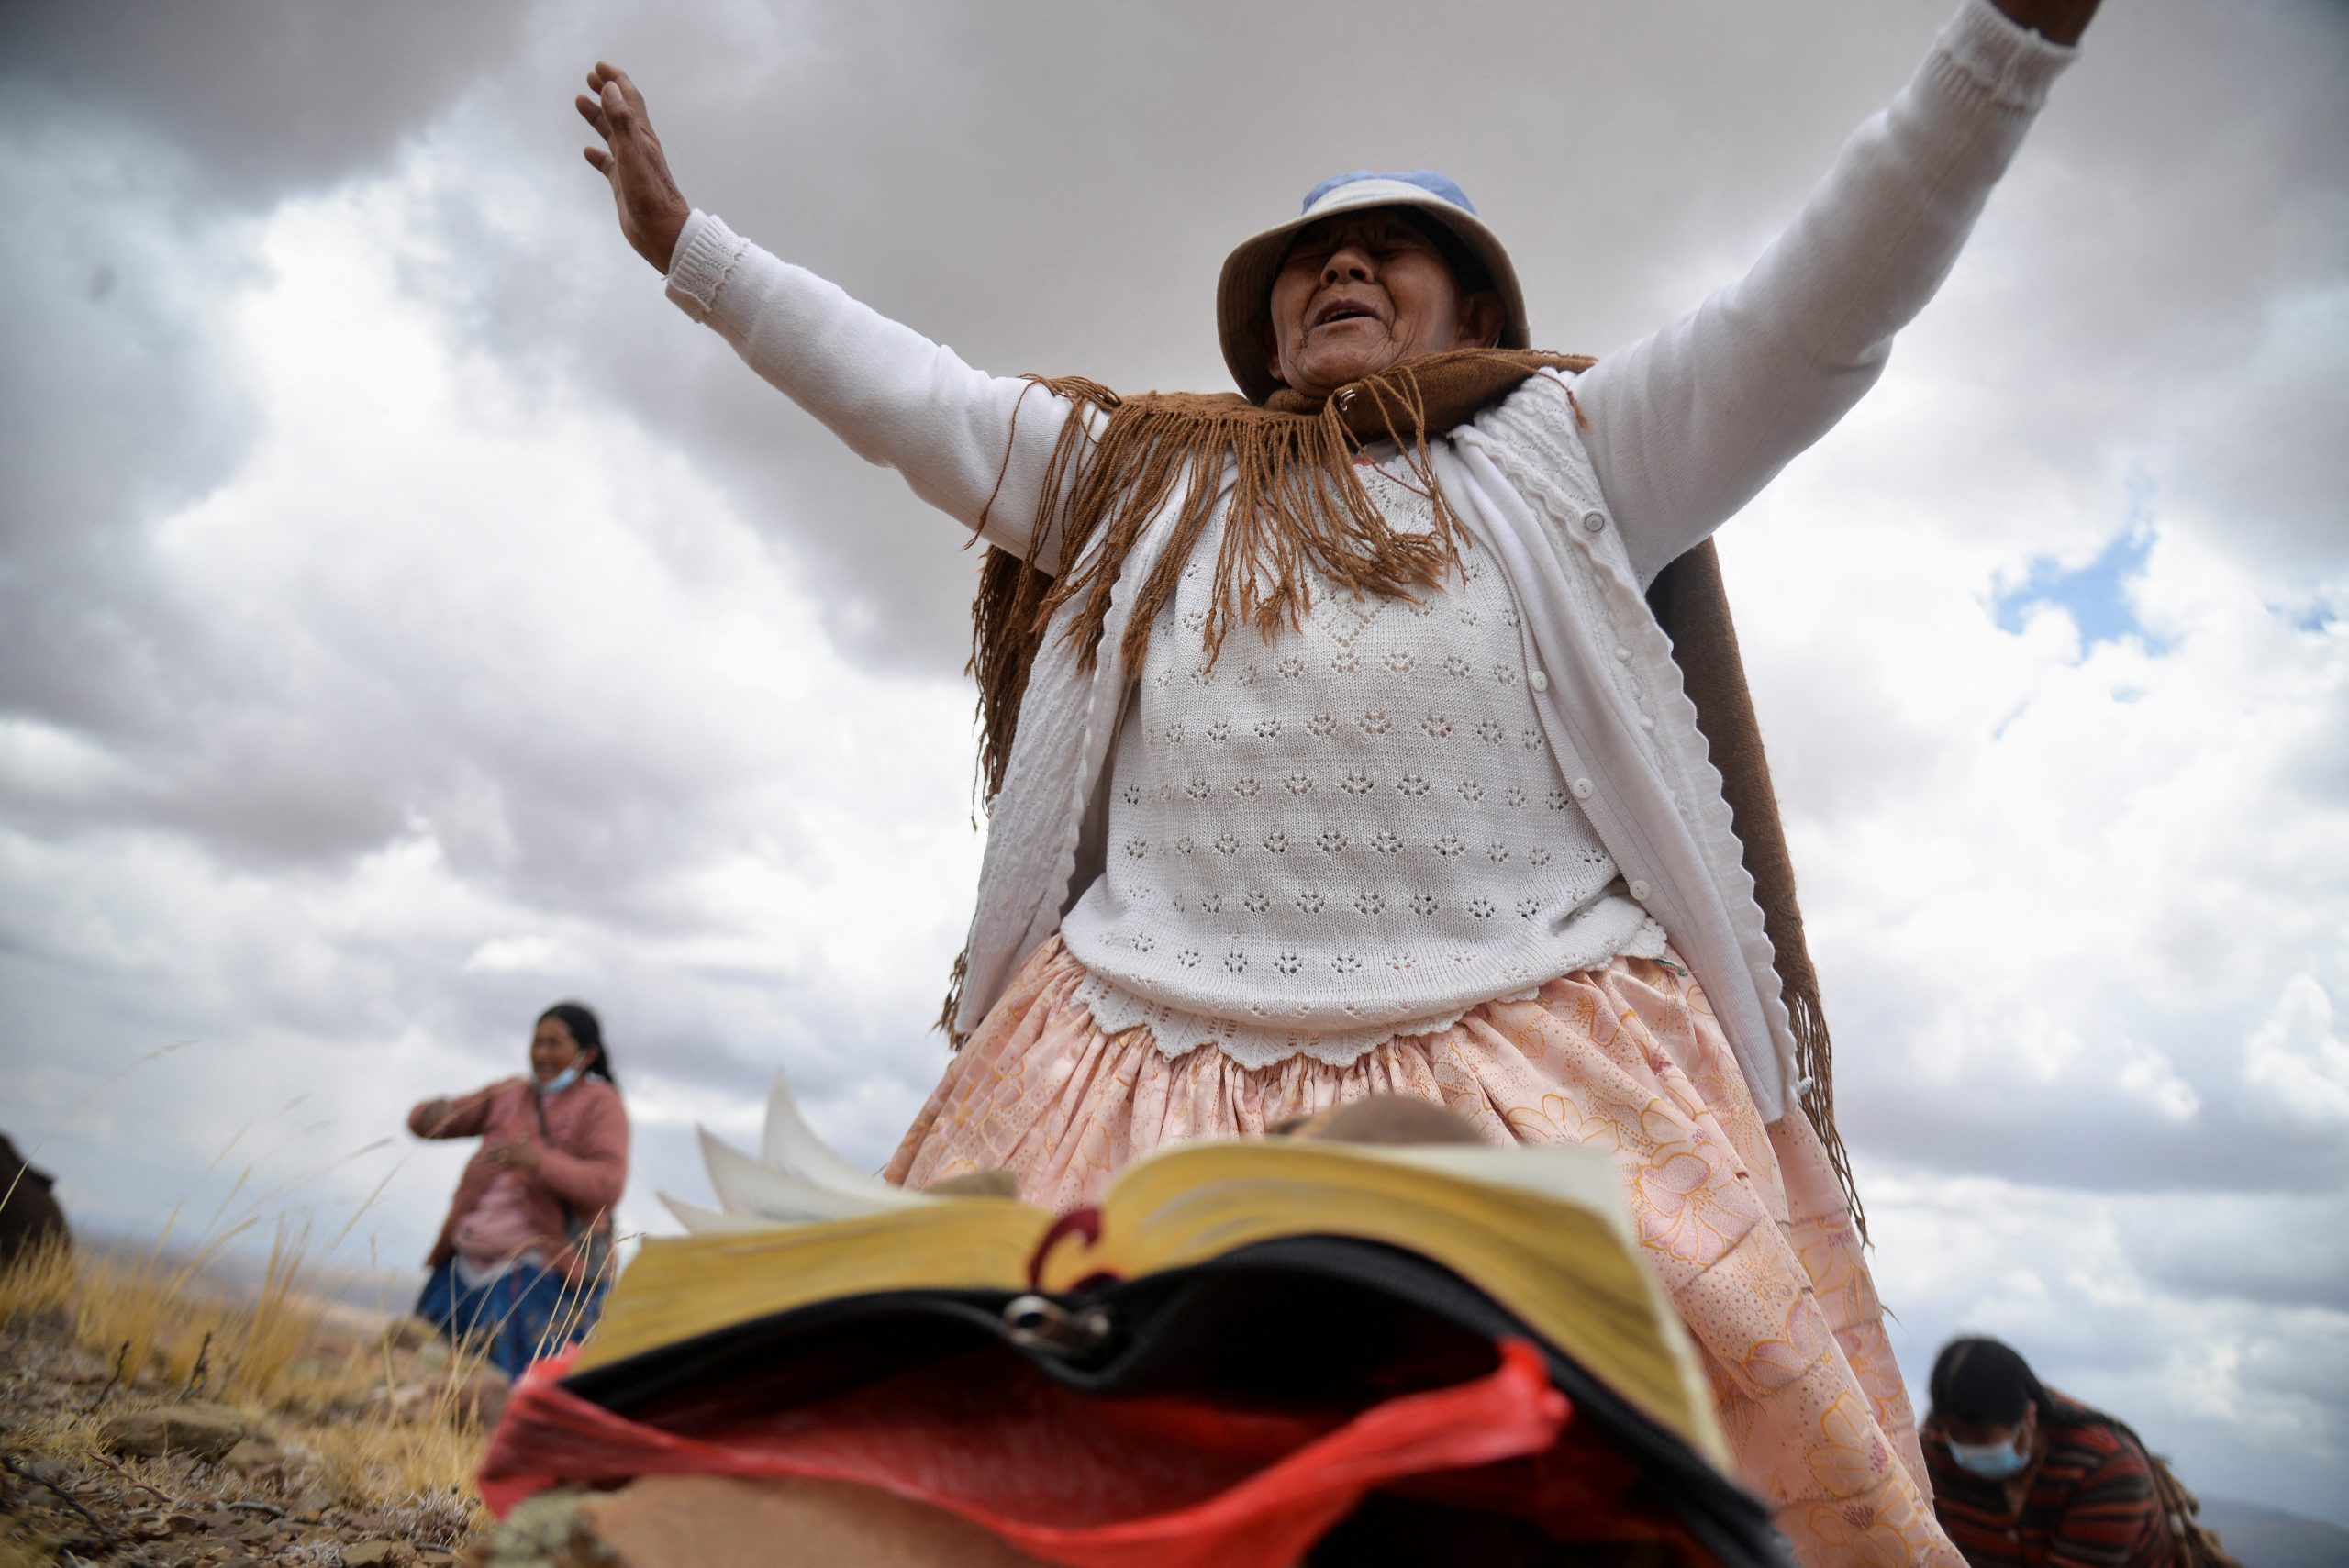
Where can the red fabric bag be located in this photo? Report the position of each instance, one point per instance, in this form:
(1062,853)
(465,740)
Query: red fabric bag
(1307,1399)
(1154,1482)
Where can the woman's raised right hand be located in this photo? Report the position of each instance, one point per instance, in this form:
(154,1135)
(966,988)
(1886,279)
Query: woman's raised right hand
(653,213)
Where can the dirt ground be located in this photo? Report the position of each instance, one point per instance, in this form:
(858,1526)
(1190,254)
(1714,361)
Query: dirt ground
(102,1465)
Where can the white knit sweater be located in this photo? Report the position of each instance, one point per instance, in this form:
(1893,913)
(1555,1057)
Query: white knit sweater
(1355,832)
(1683,427)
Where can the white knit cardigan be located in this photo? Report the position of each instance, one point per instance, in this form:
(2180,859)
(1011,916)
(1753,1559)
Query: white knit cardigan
(1684,428)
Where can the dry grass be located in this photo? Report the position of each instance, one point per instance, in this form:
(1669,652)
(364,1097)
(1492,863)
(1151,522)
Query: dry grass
(375,1426)
(18,1550)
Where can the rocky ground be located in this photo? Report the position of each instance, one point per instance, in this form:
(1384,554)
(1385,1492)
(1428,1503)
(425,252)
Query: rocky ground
(103,1466)
(361,1457)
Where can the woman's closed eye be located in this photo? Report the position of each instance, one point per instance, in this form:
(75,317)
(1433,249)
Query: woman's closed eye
(1380,250)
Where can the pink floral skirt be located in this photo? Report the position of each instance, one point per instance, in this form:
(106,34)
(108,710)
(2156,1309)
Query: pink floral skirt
(1743,1222)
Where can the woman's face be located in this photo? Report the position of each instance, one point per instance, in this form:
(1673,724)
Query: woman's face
(553,1049)
(2017,1435)
(1362,290)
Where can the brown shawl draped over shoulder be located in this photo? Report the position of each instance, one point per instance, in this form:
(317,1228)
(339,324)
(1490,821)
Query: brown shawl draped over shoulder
(1295,504)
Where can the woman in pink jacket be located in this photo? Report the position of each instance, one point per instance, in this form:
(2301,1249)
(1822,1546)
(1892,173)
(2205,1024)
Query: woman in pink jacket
(524,1258)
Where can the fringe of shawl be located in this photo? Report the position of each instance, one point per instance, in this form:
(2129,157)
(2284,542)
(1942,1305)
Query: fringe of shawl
(1297,508)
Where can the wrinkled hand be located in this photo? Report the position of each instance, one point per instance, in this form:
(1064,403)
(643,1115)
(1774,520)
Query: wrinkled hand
(2058,21)
(651,211)
(517,1154)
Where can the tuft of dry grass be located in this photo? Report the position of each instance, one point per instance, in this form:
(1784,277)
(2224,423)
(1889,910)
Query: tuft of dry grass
(18,1550)
(162,1319)
(39,1285)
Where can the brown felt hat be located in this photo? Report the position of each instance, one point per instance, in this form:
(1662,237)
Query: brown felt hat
(1244,291)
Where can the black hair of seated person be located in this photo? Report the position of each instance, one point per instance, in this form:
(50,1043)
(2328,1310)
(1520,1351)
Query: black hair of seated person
(588,1031)
(1983,1381)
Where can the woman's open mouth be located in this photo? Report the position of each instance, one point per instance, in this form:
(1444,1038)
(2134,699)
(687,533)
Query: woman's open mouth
(1340,310)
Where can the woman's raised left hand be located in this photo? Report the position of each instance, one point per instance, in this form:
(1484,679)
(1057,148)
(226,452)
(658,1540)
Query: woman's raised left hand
(652,212)
(2058,21)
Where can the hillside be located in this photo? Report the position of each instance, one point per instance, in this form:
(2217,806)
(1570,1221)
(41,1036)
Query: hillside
(2270,1538)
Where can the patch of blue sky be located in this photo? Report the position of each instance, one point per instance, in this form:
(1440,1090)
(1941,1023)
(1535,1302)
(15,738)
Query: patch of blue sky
(2318,614)
(2096,595)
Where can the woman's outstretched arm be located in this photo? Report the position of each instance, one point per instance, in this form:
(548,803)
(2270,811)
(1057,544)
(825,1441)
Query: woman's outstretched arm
(975,445)
(462,1118)
(1688,423)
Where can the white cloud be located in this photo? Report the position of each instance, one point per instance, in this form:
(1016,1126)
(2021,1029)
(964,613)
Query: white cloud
(532,711)
(2297,1055)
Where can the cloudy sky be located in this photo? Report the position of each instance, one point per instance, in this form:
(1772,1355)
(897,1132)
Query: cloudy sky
(408,618)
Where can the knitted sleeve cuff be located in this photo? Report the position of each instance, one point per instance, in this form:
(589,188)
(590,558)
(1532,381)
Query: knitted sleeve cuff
(1983,53)
(705,258)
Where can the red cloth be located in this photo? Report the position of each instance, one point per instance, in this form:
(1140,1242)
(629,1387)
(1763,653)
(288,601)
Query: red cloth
(584,1164)
(1090,1482)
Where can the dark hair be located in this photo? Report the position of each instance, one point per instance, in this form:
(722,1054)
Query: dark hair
(585,1029)
(1982,1380)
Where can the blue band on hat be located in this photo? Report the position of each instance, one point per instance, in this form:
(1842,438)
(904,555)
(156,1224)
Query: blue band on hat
(1427,180)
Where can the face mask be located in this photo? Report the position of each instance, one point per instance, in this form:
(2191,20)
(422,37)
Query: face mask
(1991,1461)
(559,1082)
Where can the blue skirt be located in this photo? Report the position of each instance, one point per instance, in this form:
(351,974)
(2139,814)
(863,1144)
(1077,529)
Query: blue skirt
(521,1316)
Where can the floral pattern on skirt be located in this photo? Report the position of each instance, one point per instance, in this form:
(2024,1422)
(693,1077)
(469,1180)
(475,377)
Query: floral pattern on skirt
(1743,1222)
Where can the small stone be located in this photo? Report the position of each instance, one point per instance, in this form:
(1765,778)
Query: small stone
(690,1520)
(184,1523)
(480,1397)
(196,1429)
(409,1333)
(252,1456)
(378,1554)
(476,1397)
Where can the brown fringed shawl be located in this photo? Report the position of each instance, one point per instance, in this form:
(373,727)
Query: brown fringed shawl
(1296,503)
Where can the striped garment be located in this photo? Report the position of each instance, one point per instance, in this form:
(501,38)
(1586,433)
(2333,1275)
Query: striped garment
(2091,1502)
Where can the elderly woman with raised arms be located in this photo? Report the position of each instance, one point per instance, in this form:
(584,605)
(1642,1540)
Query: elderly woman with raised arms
(1380,729)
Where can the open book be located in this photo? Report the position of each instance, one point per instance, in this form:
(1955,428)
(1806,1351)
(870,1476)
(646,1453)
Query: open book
(1542,1231)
